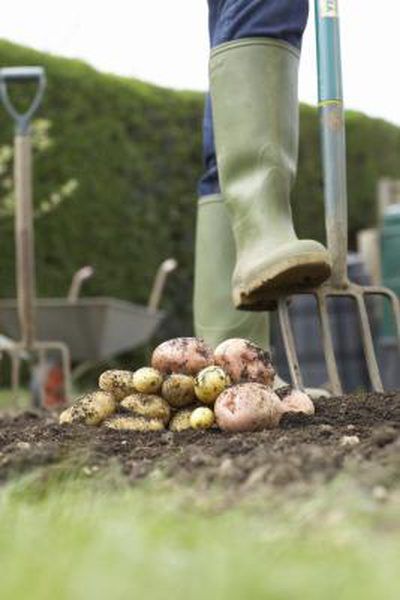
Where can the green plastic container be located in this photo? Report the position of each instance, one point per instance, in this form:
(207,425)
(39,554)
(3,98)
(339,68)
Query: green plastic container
(390,261)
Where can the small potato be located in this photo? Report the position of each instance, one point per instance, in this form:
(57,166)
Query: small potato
(297,401)
(140,424)
(67,416)
(90,409)
(147,380)
(243,361)
(178,390)
(118,383)
(202,418)
(248,407)
(209,384)
(147,405)
(181,420)
(182,355)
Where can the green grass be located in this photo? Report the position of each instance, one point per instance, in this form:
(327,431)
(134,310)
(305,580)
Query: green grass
(6,398)
(90,538)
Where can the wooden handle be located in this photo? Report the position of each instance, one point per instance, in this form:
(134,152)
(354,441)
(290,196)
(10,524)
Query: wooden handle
(24,239)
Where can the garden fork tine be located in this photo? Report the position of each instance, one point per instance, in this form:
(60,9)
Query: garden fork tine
(332,127)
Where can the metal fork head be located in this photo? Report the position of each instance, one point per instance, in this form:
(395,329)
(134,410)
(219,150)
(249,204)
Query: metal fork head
(358,294)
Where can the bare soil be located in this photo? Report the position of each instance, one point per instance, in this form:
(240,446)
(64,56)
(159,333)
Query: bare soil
(357,435)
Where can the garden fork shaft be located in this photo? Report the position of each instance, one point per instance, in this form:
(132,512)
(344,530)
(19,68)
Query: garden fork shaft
(332,127)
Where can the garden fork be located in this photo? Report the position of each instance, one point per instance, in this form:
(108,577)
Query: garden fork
(332,127)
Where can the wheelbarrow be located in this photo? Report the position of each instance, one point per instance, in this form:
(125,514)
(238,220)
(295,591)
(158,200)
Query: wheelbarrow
(94,329)
(86,329)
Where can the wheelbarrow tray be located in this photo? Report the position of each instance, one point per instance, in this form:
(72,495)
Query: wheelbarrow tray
(93,328)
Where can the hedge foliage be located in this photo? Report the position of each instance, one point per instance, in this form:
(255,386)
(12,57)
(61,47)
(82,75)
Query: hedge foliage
(135,150)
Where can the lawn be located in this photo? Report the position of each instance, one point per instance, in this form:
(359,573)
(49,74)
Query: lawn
(84,537)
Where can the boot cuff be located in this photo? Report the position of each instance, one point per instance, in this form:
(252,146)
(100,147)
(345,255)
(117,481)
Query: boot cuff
(268,42)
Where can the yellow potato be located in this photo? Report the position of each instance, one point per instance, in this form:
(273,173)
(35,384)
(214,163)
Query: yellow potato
(118,383)
(147,380)
(90,409)
(67,416)
(202,418)
(181,420)
(147,405)
(178,390)
(210,383)
(140,424)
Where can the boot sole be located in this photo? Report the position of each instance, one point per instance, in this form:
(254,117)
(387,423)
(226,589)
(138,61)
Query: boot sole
(293,276)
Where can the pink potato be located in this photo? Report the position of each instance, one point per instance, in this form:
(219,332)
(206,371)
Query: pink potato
(186,355)
(243,361)
(248,407)
(297,401)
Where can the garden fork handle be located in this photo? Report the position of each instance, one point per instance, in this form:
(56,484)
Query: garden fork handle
(333,137)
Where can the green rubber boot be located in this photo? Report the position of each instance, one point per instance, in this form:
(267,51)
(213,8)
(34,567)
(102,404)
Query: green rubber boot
(215,317)
(253,86)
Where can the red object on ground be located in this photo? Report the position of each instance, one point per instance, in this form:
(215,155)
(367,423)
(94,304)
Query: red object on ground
(54,387)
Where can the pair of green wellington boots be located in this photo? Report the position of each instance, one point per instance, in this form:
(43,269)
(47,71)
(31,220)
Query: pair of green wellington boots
(247,252)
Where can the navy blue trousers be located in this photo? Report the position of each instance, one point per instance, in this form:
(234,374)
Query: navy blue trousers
(236,19)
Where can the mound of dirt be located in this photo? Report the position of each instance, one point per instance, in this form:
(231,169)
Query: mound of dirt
(358,434)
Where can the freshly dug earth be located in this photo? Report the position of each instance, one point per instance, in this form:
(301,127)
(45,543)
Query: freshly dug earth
(357,434)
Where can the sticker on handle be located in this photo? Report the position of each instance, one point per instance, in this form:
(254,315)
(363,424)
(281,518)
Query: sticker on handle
(329,9)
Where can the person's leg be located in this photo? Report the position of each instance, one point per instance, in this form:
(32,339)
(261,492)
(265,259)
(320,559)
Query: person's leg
(253,81)
(237,19)
(215,317)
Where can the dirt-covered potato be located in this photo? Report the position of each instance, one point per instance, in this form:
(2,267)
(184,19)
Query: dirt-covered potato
(147,405)
(147,380)
(187,355)
(209,384)
(90,409)
(178,390)
(244,362)
(118,383)
(248,407)
(181,420)
(140,424)
(67,416)
(297,401)
(202,418)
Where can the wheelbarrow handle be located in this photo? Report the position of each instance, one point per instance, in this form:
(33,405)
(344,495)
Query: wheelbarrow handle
(22,75)
(166,267)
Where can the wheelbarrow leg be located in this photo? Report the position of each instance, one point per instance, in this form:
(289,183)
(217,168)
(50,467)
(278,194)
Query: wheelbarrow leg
(66,367)
(42,369)
(15,376)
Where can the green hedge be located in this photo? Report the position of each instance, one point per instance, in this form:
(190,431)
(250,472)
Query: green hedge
(136,151)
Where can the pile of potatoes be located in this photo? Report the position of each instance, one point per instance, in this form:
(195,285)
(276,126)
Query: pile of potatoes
(190,386)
